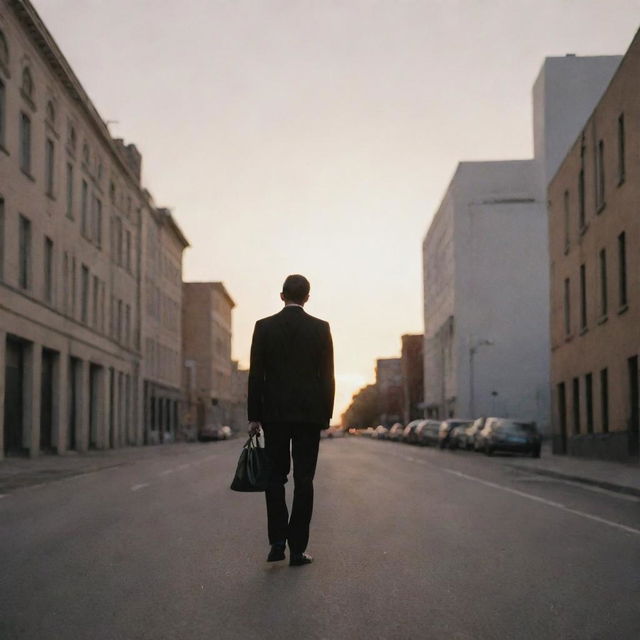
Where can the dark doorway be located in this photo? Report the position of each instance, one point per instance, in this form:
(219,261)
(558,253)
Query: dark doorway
(112,409)
(94,408)
(562,418)
(74,376)
(634,414)
(14,397)
(46,400)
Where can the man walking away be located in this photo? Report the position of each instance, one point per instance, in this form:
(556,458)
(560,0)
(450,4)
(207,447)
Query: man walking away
(291,393)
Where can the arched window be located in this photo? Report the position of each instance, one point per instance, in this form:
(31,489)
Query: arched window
(27,83)
(4,50)
(51,113)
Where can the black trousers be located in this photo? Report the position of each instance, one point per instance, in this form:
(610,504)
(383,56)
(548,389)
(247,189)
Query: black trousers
(284,440)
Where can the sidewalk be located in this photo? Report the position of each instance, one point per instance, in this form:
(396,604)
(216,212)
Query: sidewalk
(20,472)
(615,476)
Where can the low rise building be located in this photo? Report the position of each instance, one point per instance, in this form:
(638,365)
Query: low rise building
(162,246)
(594,245)
(206,335)
(412,377)
(389,388)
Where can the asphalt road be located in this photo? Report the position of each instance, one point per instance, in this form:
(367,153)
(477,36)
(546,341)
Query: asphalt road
(408,543)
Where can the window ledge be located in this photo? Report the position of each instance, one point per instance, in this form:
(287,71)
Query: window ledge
(51,197)
(603,319)
(584,330)
(584,228)
(26,173)
(567,248)
(601,207)
(622,180)
(568,337)
(623,308)
(4,149)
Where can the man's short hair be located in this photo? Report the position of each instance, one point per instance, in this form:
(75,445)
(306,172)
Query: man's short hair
(296,288)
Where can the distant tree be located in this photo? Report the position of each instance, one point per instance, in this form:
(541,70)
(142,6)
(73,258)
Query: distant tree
(363,410)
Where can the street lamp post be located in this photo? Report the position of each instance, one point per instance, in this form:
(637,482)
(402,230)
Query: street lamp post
(472,352)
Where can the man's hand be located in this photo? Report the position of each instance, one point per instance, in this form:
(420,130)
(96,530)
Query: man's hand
(254,428)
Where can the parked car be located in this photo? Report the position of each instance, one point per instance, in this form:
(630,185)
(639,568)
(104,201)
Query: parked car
(427,432)
(457,436)
(444,432)
(396,431)
(472,432)
(213,432)
(380,432)
(409,433)
(501,434)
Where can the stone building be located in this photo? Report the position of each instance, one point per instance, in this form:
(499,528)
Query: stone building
(594,245)
(207,373)
(389,388)
(72,216)
(485,263)
(162,246)
(412,377)
(239,393)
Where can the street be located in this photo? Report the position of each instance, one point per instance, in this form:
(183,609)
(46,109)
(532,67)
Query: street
(408,543)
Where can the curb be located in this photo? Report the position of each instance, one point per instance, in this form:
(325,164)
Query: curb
(603,484)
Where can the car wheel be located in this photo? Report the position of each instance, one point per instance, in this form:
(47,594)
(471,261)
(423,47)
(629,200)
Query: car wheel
(535,453)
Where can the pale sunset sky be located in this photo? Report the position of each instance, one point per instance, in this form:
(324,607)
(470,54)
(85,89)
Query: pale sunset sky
(318,137)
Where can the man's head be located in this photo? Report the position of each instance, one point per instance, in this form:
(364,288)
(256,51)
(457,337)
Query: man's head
(295,289)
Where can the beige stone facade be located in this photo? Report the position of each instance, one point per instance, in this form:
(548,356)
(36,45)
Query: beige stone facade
(206,330)
(72,216)
(162,246)
(594,245)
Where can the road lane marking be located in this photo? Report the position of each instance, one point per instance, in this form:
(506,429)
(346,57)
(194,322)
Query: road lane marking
(137,487)
(549,503)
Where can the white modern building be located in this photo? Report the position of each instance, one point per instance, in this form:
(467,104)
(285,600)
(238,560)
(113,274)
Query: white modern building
(486,264)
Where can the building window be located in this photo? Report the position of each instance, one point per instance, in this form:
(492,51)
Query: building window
(119,322)
(69,191)
(4,51)
(85,154)
(24,267)
(3,112)
(48,270)
(622,270)
(84,208)
(72,138)
(604,303)
(84,293)
(27,84)
(588,382)
(604,399)
(49,164)
(96,287)
(127,324)
(621,152)
(600,176)
(25,143)
(50,113)
(583,297)
(65,282)
(576,405)
(566,221)
(73,286)
(127,249)
(1,238)
(97,222)
(582,220)
(567,306)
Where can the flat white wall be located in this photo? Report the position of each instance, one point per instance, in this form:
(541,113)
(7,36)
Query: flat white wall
(502,291)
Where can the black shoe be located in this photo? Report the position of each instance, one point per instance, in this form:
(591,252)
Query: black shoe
(298,559)
(277,552)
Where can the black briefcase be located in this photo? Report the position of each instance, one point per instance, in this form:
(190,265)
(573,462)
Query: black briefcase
(252,473)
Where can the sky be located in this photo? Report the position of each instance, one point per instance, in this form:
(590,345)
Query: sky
(318,137)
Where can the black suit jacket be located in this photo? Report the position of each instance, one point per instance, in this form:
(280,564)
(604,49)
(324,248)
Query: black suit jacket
(291,375)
